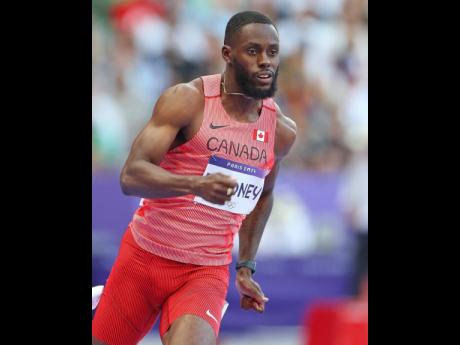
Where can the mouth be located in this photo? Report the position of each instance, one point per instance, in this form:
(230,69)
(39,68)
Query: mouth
(264,78)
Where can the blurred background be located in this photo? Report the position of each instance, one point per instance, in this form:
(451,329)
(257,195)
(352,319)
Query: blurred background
(312,261)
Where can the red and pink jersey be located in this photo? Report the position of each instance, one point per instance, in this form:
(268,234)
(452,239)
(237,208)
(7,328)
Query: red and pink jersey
(187,228)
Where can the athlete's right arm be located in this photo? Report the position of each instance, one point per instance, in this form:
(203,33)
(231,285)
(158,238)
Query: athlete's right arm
(143,177)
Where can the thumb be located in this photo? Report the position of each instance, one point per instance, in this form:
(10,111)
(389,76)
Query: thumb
(259,296)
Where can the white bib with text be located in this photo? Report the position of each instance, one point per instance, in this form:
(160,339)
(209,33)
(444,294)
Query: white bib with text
(250,183)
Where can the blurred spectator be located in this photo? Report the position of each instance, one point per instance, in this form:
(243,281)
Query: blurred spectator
(109,129)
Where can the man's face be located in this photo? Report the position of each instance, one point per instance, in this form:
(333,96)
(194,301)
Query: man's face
(255,60)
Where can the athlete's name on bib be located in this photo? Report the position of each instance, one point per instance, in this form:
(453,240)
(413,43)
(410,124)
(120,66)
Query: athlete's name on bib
(247,190)
(244,190)
(250,183)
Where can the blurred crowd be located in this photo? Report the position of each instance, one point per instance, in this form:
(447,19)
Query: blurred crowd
(141,47)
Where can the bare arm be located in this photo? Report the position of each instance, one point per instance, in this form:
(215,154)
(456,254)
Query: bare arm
(253,226)
(142,176)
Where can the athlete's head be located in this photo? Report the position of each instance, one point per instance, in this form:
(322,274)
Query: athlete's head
(251,51)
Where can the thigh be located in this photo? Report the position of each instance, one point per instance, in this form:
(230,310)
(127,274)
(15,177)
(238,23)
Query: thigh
(202,298)
(124,314)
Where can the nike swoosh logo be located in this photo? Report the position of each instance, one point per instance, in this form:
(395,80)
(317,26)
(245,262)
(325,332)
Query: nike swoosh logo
(211,316)
(216,127)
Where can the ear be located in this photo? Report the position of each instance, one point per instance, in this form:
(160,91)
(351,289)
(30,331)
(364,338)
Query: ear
(226,54)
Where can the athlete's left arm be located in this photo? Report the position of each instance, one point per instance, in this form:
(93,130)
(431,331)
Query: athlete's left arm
(253,226)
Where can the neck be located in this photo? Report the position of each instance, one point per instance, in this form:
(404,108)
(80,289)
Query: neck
(233,97)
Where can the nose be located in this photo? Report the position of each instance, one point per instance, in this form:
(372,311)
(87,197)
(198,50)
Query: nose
(264,61)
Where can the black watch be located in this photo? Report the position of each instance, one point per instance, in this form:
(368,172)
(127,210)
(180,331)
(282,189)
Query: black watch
(248,264)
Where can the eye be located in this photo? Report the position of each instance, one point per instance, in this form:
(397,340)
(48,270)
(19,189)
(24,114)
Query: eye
(252,51)
(273,52)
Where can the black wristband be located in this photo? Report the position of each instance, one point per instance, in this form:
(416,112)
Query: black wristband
(248,264)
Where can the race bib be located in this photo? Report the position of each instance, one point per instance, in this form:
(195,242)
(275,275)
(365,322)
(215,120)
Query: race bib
(250,183)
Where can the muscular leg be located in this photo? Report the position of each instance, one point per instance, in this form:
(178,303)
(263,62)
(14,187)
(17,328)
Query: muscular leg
(125,312)
(189,330)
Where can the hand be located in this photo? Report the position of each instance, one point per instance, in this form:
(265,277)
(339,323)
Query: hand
(216,188)
(251,294)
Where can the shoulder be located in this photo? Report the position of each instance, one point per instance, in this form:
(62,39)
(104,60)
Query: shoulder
(183,96)
(180,103)
(286,131)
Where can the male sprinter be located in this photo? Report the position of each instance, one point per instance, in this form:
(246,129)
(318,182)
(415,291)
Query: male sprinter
(205,167)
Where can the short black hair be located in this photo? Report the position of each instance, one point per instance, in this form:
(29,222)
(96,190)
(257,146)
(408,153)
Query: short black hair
(241,19)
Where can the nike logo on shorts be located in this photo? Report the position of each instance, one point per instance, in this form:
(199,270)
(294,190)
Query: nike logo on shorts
(217,126)
(211,316)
